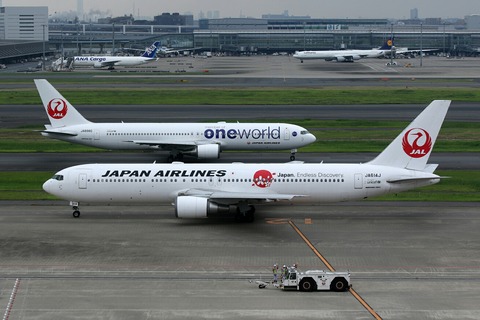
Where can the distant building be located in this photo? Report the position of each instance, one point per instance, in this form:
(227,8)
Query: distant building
(283,15)
(414,14)
(472,22)
(174,19)
(24,23)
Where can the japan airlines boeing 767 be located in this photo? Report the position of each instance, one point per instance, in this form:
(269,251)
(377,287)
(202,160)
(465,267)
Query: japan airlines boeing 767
(202,190)
(202,140)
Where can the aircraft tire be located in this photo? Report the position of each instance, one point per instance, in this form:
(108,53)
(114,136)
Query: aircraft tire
(76,214)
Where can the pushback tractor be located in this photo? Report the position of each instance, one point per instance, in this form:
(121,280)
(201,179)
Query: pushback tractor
(311,280)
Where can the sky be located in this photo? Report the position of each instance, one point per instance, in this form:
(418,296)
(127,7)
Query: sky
(399,9)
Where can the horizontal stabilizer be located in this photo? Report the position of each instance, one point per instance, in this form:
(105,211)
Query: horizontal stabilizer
(60,133)
(410,179)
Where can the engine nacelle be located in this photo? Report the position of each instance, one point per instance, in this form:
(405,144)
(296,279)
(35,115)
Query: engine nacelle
(97,65)
(340,59)
(208,151)
(356,57)
(197,207)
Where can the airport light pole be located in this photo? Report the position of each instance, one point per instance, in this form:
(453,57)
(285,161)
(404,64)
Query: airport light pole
(421,44)
(304,40)
(391,47)
(444,53)
(113,39)
(43,55)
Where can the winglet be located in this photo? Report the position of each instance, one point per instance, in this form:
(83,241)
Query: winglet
(59,111)
(412,148)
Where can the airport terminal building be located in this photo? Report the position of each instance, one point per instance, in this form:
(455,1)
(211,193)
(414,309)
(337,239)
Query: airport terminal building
(235,36)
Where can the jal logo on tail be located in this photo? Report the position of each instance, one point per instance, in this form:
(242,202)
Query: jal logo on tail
(57,108)
(263,178)
(417,143)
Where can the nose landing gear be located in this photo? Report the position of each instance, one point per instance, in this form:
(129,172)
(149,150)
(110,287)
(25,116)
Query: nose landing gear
(292,154)
(76,211)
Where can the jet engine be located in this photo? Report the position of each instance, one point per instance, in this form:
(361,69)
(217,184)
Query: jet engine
(347,59)
(197,207)
(207,151)
(97,65)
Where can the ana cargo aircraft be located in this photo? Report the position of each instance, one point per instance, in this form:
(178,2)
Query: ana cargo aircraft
(344,55)
(113,61)
(203,190)
(201,140)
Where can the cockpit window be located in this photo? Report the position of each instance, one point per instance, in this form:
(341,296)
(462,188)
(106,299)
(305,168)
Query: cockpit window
(303,132)
(58,177)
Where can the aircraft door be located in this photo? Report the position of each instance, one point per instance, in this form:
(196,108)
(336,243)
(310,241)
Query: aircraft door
(82,181)
(286,134)
(96,135)
(358,181)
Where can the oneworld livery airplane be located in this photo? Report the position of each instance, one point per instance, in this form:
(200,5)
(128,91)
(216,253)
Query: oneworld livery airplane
(203,190)
(201,140)
(113,61)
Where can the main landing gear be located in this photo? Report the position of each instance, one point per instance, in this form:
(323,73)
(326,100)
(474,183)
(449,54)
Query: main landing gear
(76,211)
(245,213)
(175,157)
(292,154)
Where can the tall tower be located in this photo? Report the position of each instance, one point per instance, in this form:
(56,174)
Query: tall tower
(80,9)
(414,14)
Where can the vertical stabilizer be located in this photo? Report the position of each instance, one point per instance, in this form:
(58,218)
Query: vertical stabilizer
(151,51)
(387,45)
(59,111)
(411,149)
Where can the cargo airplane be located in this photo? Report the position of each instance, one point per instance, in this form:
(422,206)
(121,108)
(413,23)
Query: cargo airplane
(344,55)
(203,190)
(201,140)
(113,61)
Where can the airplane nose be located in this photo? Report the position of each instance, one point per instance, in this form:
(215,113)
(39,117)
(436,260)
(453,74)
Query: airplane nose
(47,186)
(311,138)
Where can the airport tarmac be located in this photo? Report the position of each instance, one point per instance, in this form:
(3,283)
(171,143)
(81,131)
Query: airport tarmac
(408,260)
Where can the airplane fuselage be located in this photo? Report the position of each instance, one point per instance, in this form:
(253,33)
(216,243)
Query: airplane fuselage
(339,55)
(163,183)
(105,61)
(230,136)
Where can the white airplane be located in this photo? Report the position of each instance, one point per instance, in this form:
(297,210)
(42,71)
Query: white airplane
(202,140)
(202,190)
(344,55)
(113,61)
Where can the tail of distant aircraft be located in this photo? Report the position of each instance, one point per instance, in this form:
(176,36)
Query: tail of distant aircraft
(59,111)
(411,149)
(151,51)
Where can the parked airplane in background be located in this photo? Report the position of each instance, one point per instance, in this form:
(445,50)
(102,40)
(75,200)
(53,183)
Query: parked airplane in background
(113,61)
(344,55)
(202,190)
(202,140)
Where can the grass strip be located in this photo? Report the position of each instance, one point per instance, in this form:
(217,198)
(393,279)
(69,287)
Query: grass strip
(285,96)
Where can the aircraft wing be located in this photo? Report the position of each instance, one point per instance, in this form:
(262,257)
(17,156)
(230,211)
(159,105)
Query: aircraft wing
(165,144)
(226,195)
(417,51)
(110,63)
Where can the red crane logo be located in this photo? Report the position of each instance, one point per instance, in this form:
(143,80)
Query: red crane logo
(417,143)
(57,108)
